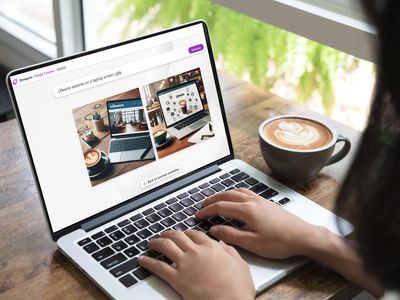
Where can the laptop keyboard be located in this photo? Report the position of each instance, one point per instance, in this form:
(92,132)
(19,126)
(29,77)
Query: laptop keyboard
(189,121)
(116,248)
(127,144)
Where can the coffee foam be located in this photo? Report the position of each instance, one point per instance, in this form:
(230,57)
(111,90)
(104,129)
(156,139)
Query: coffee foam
(297,133)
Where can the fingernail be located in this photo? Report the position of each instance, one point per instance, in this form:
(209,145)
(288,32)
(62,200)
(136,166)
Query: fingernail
(214,230)
(140,258)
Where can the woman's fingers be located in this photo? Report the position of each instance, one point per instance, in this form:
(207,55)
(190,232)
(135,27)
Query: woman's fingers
(233,236)
(160,268)
(245,191)
(179,238)
(197,236)
(224,208)
(167,247)
(232,196)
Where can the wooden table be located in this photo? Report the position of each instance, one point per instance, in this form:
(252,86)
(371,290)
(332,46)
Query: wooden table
(33,268)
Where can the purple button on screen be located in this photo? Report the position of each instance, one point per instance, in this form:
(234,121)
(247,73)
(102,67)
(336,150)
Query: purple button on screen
(196,48)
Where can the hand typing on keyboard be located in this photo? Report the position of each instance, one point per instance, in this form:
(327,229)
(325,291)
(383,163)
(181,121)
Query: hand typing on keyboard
(205,269)
(270,230)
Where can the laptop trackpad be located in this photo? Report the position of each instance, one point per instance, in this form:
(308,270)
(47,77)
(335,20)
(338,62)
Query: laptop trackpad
(136,155)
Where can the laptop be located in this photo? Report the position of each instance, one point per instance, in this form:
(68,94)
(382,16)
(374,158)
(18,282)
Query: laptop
(102,228)
(129,131)
(183,109)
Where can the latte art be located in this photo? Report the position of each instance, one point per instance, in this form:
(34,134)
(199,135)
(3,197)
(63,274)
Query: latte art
(294,133)
(297,133)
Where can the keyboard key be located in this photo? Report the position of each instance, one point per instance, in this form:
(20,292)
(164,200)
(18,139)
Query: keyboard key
(103,253)
(156,236)
(176,207)
(159,206)
(208,192)
(142,273)
(156,227)
(183,195)
(113,260)
(125,267)
(191,222)
(153,218)
(251,181)
(237,223)
(144,234)
(165,259)
(215,180)
(198,205)
(142,223)
(131,252)
(235,171)
(224,176)
(258,188)
(230,188)
(129,229)
(165,212)
(269,193)
(128,280)
(84,241)
(105,241)
(167,222)
(179,216)
(205,225)
(143,245)
(242,184)
(136,217)
(152,254)
(123,223)
(204,185)
(217,220)
(180,226)
(284,201)
(148,211)
(98,235)
(197,197)
(117,235)
(132,239)
(172,200)
(120,245)
(193,190)
(111,229)
(228,182)
(218,187)
(186,202)
(190,211)
(239,177)
(91,248)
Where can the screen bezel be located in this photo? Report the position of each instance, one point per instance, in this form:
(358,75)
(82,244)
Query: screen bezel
(57,234)
(164,91)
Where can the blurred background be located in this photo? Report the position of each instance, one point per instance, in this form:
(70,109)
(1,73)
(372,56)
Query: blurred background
(322,78)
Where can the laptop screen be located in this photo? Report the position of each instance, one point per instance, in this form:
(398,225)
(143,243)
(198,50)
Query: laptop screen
(71,108)
(126,117)
(180,102)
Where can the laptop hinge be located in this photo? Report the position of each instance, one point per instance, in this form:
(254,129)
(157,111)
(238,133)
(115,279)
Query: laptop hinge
(148,198)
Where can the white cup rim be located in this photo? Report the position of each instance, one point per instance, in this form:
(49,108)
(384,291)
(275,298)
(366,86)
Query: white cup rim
(327,146)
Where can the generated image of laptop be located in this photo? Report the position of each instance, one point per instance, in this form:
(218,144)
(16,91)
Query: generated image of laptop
(130,137)
(182,109)
(103,227)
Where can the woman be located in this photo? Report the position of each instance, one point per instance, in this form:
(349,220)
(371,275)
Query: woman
(207,269)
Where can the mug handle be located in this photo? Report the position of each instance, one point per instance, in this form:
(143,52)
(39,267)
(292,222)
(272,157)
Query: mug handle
(343,152)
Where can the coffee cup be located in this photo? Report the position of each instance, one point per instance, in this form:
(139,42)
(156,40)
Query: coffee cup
(160,136)
(183,107)
(88,135)
(296,148)
(93,160)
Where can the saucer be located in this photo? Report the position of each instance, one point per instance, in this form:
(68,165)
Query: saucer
(102,168)
(167,141)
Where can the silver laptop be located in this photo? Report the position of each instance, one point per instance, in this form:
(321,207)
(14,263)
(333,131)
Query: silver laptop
(103,227)
(183,109)
(129,131)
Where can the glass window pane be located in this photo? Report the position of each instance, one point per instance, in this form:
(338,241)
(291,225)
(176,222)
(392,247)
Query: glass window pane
(36,16)
(324,79)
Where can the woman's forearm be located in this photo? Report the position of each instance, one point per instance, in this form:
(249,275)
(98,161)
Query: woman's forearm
(340,255)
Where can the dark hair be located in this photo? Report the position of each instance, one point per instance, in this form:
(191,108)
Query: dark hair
(371,190)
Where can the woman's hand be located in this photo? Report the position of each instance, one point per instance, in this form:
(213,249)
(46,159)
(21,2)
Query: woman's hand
(270,230)
(205,269)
